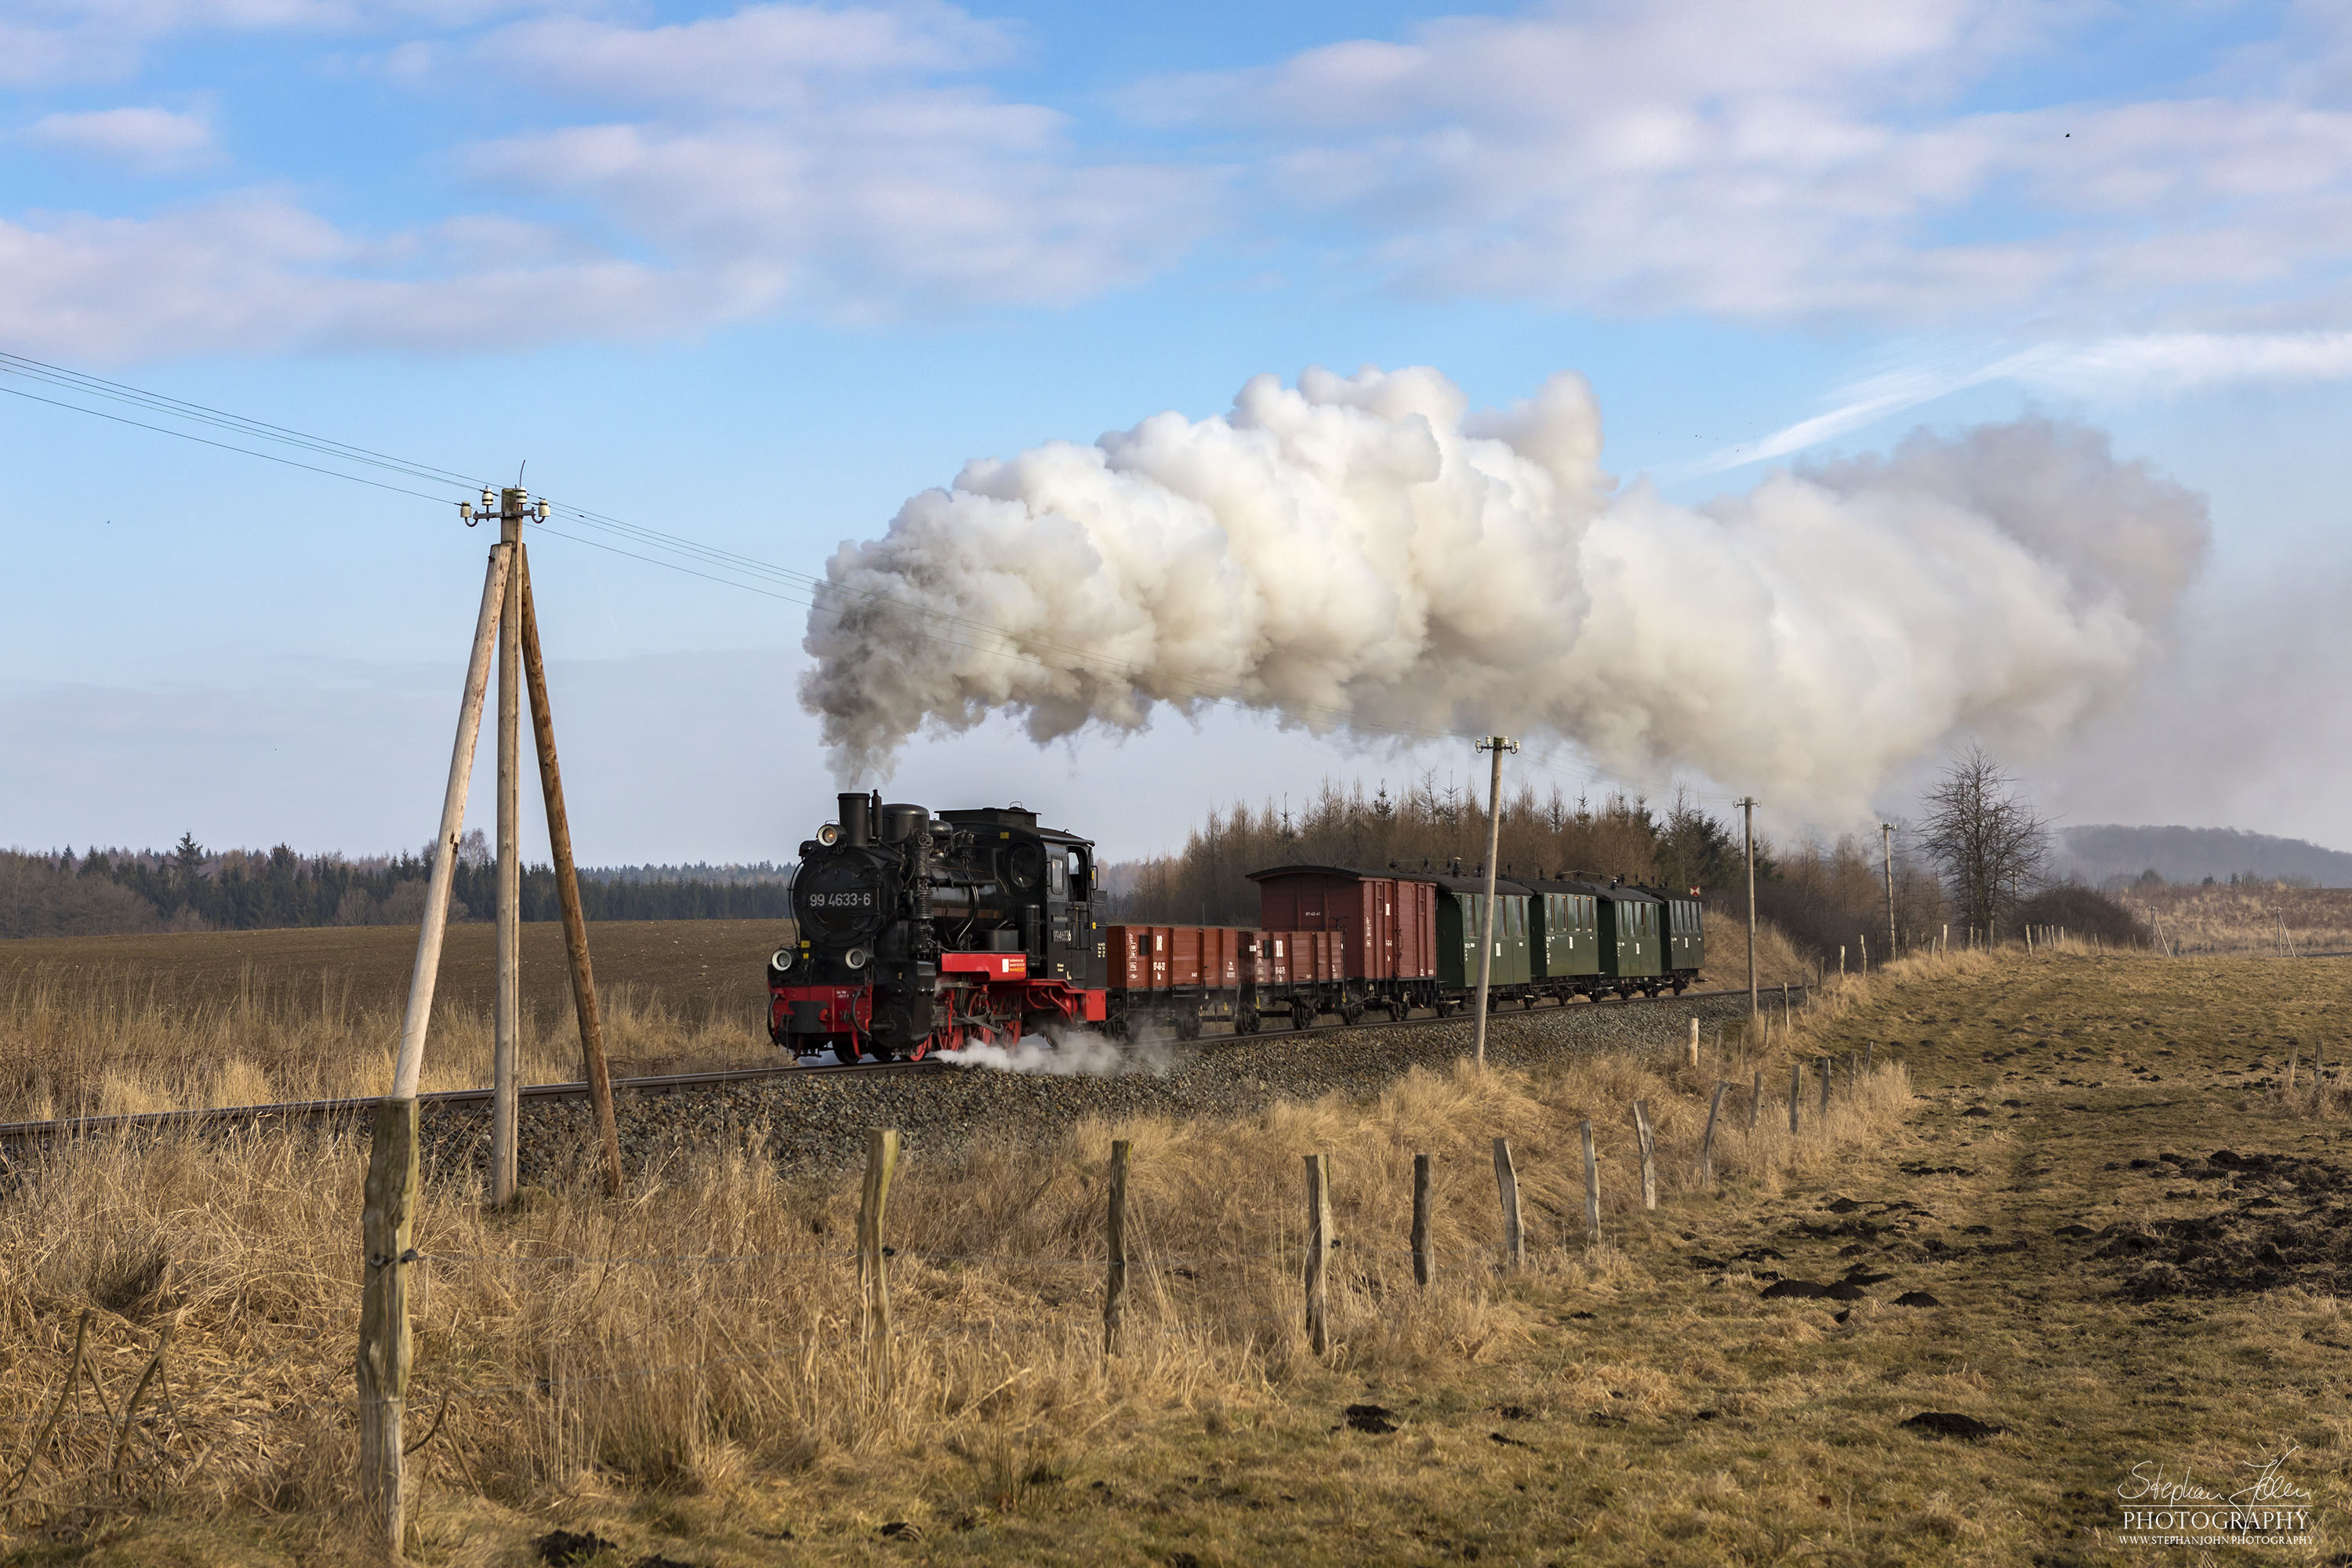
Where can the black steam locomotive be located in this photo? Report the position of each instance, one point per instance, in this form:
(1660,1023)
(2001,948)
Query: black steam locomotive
(922,933)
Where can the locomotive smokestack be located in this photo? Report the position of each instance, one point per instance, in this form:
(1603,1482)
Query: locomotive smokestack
(857,826)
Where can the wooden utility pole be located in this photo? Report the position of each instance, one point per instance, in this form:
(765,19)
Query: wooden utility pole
(506,1043)
(567,888)
(1886,838)
(390,1200)
(1748,813)
(1498,744)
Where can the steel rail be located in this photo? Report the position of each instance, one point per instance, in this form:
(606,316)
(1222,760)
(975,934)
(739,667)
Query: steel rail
(14,1133)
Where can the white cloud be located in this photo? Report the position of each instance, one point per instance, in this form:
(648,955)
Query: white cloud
(1792,161)
(829,161)
(843,154)
(2133,366)
(45,42)
(145,141)
(256,274)
(762,56)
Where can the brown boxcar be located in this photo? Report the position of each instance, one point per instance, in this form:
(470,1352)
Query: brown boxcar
(1386,922)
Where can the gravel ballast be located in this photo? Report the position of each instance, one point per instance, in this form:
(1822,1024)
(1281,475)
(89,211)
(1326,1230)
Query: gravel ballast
(819,1118)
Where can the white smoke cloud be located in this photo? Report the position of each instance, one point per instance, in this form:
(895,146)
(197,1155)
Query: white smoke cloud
(1366,553)
(1069,1053)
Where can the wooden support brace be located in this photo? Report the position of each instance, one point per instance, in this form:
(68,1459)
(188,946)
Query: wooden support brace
(567,893)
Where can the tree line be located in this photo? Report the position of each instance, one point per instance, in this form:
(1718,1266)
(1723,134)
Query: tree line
(192,887)
(1976,860)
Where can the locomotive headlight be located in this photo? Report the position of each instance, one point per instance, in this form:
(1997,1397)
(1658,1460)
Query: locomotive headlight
(781,958)
(829,835)
(855,957)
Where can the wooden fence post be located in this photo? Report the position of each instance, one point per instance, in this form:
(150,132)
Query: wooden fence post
(1318,1251)
(1796,1093)
(873,1277)
(1506,1187)
(1707,1145)
(1115,1286)
(1756,1101)
(1825,1090)
(1694,1040)
(1592,1187)
(389,1210)
(1422,1266)
(1647,1139)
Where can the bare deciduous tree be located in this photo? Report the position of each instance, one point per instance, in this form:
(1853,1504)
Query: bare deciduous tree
(1990,846)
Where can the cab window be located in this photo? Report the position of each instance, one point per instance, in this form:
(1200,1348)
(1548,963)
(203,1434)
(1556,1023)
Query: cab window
(1056,881)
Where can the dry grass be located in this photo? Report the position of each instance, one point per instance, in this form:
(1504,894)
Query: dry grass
(697,1339)
(2246,919)
(78,1046)
(1631,1402)
(106,1024)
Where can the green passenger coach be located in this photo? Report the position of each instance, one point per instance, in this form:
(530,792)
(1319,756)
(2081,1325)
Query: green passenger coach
(1459,902)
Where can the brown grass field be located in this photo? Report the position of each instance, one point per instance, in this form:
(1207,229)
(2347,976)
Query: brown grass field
(109,1024)
(678,1373)
(2267,919)
(116,1024)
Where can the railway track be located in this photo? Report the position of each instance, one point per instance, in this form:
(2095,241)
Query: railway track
(17,1133)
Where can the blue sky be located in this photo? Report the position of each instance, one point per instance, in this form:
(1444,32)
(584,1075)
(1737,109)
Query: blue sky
(757,274)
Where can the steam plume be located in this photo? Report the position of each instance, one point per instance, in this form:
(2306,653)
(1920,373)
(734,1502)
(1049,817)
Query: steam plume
(1367,553)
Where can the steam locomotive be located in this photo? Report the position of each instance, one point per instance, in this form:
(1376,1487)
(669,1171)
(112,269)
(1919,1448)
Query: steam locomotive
(922,933)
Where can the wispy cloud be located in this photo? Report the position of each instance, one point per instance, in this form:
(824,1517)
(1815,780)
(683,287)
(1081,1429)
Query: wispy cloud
(144,140)
(2133,365)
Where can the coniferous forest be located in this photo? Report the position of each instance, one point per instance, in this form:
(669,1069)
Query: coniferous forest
(192,887)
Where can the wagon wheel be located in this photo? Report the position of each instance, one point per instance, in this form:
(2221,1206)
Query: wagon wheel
(1246,1022)
(1301,1015)
(1396,1010)
(1188,1025)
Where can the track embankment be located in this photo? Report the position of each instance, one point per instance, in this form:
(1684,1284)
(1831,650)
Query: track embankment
(820,1117)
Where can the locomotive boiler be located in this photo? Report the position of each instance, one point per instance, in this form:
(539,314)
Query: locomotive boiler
(920,932)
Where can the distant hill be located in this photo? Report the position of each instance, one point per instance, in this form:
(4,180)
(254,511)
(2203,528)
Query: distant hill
(2105,853)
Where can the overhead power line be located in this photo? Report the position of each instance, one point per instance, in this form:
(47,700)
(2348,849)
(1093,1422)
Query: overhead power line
(674,551)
